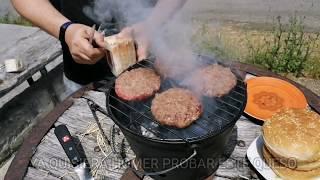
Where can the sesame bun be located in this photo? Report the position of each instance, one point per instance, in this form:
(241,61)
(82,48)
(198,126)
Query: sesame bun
(292,163)
(286,173)
(293,134)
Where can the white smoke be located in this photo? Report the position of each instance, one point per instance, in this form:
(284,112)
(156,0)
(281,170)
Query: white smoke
(126,12)
(171,41)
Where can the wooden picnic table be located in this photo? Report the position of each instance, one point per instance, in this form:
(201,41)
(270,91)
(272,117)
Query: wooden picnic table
(32,46)
(78,119)
(42,157)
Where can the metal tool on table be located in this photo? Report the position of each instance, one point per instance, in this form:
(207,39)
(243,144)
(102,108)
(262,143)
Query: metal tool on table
(69,147)
(94,108)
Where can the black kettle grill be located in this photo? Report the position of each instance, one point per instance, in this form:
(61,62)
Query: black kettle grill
(170,153)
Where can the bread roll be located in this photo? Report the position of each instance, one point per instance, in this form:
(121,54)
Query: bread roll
(294,134)
(122,53)
(287,173)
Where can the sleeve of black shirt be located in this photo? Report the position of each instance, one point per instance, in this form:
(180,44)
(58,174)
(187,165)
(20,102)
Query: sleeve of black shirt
(56,4)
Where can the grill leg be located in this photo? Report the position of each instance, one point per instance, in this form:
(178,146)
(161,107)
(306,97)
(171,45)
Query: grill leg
(211,177)
(129,175)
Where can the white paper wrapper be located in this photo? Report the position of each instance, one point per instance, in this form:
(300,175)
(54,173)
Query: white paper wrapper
(13,65)
(122,53)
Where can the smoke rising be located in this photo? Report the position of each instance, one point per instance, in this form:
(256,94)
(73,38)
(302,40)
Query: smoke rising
(126,12)
(172,42)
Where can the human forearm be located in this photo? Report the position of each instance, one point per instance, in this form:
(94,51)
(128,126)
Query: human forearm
(42,14)
(163,11)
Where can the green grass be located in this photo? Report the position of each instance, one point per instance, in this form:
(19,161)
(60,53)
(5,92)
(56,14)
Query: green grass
(7,19)
(312,68)
(287,49)
(205,42)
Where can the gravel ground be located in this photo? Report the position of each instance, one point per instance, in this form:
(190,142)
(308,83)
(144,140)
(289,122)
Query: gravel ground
(312,84)
(255,11)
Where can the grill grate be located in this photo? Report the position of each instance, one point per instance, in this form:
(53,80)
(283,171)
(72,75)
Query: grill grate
(218,113)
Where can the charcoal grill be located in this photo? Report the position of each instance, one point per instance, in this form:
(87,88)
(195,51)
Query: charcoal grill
(169,153)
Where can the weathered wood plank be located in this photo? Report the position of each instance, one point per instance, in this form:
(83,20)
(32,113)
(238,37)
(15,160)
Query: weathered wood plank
(236,165)
(51,157)
(78,118)
(11,33)
(35,50)
(219,178)
(36,174)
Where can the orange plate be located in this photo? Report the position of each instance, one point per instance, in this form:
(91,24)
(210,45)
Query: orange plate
(267,96)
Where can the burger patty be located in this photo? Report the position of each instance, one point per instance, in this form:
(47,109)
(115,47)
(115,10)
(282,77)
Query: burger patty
(137,84)
(212,81)
(176,107)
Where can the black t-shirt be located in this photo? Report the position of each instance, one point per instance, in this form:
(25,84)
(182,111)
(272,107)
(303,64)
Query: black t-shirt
(74,10)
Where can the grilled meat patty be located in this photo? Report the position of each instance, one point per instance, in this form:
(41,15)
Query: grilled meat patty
(212,81)
(137,84)
(176,107)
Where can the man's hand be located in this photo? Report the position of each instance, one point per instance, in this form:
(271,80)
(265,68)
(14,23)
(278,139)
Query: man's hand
(139,32)
(77,38)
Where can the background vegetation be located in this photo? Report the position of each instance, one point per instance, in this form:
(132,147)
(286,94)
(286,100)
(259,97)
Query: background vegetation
(287,49)
(7,19)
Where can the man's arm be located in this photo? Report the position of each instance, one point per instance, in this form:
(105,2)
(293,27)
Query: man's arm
(42,14)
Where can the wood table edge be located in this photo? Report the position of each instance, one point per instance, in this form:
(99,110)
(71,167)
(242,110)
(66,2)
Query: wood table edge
(19,164)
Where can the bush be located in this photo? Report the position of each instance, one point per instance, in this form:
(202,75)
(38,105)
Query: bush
(7,19)
(287,51)
(312,68)
(207,42)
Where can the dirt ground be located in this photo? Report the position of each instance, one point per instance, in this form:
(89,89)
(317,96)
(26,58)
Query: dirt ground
(254,11)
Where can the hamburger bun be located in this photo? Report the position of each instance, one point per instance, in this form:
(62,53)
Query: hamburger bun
(287,173)
(292,163)
(293,134)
